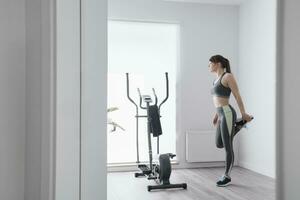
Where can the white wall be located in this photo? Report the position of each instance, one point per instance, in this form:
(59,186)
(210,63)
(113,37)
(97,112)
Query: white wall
(256,75)
(47,100)
(53,59)
(67,140)
(12,101)
(39,100)
(203,33)
(81,63)
(33,100)
(93,107)
(288,113)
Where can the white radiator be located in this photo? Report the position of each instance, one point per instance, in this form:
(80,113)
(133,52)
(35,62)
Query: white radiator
(200,147)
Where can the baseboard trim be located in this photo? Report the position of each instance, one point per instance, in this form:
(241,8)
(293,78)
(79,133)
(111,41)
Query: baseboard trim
(255,169)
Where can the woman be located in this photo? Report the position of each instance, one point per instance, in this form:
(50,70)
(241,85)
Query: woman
(225,117)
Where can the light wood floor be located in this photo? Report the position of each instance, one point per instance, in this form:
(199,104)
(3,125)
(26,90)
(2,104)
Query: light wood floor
(246,185)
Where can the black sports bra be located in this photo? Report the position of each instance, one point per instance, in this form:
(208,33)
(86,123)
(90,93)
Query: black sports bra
(219,89)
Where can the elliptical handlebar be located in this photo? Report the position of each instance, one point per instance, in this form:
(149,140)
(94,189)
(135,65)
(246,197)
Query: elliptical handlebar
(167,91)
(137,122)
(132,101)
(128,95)
(154,96)
(139,92)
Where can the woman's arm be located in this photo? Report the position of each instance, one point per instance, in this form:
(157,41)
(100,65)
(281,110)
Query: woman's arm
(232,84)
(235,91)
(215,119)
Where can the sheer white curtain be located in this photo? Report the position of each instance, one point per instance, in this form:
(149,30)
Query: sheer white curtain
(146,51)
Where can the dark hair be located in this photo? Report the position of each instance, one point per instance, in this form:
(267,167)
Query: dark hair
(220,59)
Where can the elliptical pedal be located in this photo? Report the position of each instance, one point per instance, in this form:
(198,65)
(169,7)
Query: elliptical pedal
(145,169)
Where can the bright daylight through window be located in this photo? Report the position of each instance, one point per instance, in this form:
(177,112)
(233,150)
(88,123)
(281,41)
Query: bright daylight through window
(146,51)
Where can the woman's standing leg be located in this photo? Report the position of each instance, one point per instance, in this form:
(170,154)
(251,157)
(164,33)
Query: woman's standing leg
(228,118)
(219,142)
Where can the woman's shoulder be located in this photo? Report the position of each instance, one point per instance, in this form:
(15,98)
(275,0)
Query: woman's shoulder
(228,76)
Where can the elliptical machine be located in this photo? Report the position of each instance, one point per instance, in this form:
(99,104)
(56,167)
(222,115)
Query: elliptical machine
(159,172)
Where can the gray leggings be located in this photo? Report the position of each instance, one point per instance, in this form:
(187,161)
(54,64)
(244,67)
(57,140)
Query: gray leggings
(224,134)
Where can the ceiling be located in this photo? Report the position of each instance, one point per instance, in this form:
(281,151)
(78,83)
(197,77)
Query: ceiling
(220,2)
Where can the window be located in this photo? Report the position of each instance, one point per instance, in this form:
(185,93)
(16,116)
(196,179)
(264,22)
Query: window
(146,51)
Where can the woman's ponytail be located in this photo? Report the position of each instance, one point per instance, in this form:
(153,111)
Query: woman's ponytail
(226,65)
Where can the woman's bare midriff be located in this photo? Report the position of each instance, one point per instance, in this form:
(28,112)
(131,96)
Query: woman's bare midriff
(220,101)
